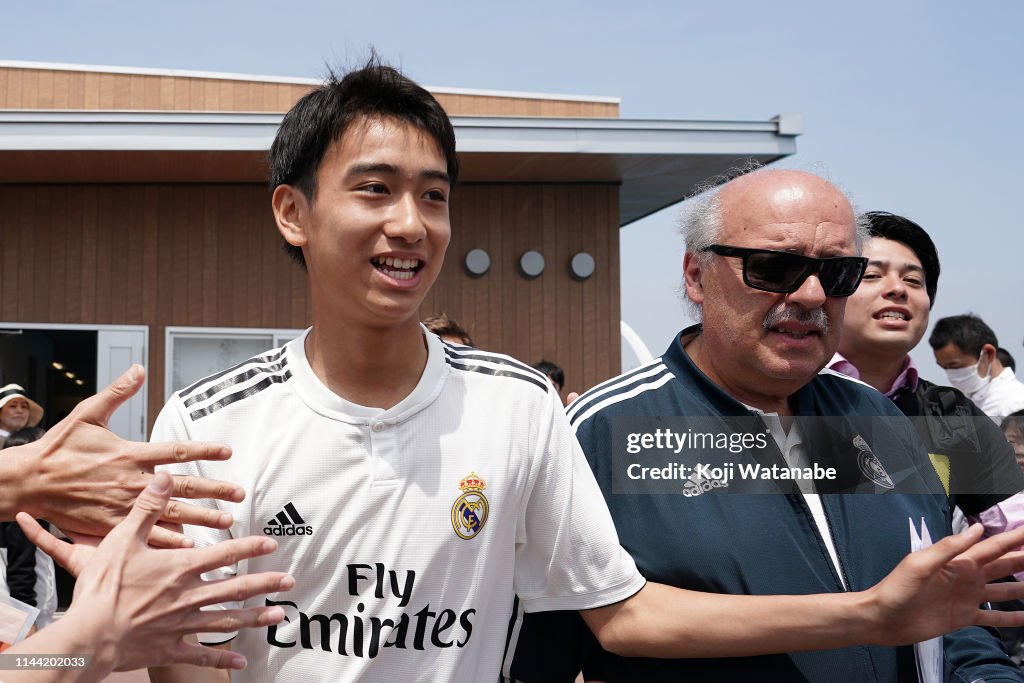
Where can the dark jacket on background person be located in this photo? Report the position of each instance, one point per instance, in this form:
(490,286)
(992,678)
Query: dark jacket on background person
(963,441)
(21,562)
(758,543)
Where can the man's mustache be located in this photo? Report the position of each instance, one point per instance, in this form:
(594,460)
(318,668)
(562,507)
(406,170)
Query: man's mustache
(785,313)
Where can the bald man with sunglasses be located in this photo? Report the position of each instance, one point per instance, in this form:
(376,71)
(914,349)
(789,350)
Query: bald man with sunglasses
(735,464)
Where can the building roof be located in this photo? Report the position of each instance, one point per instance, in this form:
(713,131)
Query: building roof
(657,163)
(63,123)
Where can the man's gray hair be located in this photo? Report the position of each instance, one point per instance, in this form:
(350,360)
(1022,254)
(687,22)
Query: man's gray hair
(700,222)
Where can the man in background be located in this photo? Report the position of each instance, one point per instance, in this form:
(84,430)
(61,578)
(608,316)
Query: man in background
(448,329)
(553,372)
(770,259)
(885,320)
(1006,359)
(966,348)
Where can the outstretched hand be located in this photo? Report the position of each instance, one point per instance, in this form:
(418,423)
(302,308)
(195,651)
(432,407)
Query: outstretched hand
(941,588)
(139,602)
(82,477)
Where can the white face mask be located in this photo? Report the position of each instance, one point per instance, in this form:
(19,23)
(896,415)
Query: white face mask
(968,380)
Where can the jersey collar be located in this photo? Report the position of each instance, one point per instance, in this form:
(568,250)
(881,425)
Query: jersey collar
(325,402)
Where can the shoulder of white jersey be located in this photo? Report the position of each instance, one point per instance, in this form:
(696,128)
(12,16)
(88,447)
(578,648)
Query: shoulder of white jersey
(648,377)
(235,384)
(470,359)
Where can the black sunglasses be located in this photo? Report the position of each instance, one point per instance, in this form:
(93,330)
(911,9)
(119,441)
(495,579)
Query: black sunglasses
(783,272)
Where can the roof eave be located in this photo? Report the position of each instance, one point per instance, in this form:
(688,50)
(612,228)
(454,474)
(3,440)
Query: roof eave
(657,162)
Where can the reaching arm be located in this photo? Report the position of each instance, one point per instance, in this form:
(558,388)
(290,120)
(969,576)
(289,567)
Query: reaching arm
(929,593)
(81,477)
(134,605)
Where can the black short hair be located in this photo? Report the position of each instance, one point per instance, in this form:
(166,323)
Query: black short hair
(443,326)
(1006,359)
(969,332)
(323,115)
(552,370)
(905,231)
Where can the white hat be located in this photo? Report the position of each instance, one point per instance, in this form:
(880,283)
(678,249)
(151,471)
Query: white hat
(35,411)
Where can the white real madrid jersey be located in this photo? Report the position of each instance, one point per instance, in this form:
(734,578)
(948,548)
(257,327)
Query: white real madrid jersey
(407,530)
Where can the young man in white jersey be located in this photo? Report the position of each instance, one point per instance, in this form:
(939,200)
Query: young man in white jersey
(414,486)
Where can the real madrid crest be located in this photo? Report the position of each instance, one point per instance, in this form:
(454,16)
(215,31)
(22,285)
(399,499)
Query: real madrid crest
(869,464)
(469,513)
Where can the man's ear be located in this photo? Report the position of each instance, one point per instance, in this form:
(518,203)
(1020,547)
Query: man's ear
(988,357)
(692,278)
(291,213)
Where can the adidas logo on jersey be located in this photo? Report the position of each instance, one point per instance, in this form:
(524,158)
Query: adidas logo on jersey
(697,485)
(288,522)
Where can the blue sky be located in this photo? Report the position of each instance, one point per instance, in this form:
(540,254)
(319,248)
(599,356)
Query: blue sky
(913,107)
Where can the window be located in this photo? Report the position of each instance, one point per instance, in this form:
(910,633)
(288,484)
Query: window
(196,352)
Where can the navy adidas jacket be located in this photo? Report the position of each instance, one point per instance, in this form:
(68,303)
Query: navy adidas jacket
(759,542)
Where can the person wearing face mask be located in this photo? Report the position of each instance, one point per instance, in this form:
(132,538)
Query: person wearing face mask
(17,411)
(965,347)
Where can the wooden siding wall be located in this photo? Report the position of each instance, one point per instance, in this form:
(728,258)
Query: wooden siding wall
(477,105)
(22,88)
(155,255)
(209,255)
(57,89)
(572,323)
